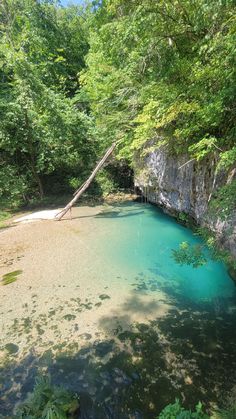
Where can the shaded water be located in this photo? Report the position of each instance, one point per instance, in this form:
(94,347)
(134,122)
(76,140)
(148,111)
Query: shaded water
(169,330)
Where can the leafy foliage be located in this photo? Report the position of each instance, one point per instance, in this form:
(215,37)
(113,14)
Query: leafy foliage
(42,129)
(73,80)
(164,71)
(215,249)
(189,255)
(49,402)
(176,411)
(223,203)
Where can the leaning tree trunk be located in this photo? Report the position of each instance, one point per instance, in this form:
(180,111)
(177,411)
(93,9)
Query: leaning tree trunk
(79,192)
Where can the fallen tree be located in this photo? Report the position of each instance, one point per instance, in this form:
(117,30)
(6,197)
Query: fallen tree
(86,184)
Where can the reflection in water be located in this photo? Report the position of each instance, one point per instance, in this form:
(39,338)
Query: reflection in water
(118,214)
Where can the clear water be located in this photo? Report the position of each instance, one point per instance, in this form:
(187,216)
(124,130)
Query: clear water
(189,353)
(139,242)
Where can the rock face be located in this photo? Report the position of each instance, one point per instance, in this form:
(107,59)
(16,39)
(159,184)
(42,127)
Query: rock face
(180,188)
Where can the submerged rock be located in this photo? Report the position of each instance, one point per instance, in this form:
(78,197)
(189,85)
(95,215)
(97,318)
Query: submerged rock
(12,348)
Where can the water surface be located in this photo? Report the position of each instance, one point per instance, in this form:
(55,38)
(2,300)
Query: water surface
(139,240)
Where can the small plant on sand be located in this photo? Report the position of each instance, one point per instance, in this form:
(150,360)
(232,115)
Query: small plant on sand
(49,402)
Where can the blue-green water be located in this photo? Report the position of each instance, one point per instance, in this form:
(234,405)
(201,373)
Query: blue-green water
(190,352)
(139,241)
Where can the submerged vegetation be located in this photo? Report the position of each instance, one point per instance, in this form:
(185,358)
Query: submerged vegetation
(49,402)
(52,402)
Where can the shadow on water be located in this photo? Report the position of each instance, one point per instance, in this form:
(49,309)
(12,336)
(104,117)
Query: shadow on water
(138,368)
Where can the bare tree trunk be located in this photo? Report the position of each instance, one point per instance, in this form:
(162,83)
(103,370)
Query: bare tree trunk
(32,156)
(40,185)
(79,192)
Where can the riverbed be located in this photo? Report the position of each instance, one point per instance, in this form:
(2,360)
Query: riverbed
(99,303)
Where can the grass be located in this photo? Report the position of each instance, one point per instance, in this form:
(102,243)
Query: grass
(4,216)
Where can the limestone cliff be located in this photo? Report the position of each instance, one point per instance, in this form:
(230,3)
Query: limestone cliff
(183,188)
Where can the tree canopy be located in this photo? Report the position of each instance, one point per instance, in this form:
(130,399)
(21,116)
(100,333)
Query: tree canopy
(164,71)
(73,80)
(42,128)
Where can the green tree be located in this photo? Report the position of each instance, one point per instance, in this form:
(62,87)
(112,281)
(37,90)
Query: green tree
(163,72)
(42,129)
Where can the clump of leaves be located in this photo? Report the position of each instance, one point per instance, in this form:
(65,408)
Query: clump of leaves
(49,402)
(183,217)
(176,411)
(217,252)
(189,255)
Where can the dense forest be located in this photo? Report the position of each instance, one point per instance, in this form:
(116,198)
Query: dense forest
(75,79)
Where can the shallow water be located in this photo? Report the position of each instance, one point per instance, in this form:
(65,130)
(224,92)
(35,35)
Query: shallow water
(102,306)
(139,241)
